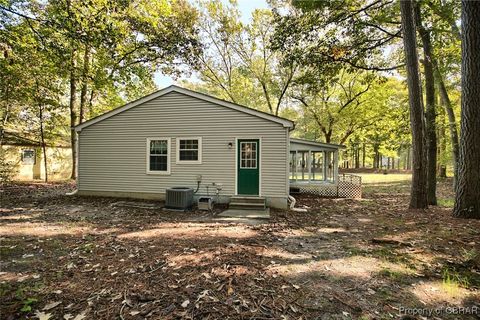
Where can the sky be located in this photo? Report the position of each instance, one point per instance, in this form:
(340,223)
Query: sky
(246,8)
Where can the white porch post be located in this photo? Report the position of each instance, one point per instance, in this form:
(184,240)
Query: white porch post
(309,161)
(325,164)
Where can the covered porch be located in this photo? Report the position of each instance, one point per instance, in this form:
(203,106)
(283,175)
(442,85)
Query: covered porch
(313,168)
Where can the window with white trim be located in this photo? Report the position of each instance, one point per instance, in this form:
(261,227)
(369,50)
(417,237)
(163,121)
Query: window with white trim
(158,155)
(248,156)
(189,150)
(28,156)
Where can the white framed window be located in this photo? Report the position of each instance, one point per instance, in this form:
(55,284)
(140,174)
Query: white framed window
(248,156)
(189,150)
(28,156)
(158,155)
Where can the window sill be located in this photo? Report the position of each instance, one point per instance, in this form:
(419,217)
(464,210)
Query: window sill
(187,162)
(160,173)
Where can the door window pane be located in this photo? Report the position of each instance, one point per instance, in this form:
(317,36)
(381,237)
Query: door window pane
(248,155)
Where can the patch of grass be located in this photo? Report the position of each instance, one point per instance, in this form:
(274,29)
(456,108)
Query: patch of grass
(372,178)
(4,289)
(25,291)
(26,294)
(395,276)
(391,274)
(446,202)
(87,248)
(470,255)
(9,251)
(453,280)
(387,254)
(384,253)
(354,251)
(397,187)
(385,295)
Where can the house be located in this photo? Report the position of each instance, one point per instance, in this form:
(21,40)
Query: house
(25,159)
(178,137)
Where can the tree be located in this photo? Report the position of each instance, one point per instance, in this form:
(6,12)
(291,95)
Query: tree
(441,16)
(339,108)
(105,52)
(237,63)
(467,199)
(328,36)
(430,112)
(418,197)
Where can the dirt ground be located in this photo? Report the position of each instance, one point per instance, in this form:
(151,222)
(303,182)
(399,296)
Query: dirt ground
(69,257)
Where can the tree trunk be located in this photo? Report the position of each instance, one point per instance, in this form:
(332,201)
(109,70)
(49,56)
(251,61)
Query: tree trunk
(442,144)
(42,139)
(363,155)
(84,90)
(452,123)
(408,159)
(467,193)
(328,136)
(73,115)
(418,197)
(430,114)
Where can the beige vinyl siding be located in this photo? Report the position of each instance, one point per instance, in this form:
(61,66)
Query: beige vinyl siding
(112,152)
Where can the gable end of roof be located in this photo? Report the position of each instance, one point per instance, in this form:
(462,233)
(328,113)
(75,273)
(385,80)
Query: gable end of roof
(173,88)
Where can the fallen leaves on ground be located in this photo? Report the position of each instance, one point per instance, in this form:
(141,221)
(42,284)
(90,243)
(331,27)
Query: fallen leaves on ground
(84,258)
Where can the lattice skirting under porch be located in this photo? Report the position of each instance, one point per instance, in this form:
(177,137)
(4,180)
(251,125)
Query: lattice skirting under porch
(340,190)
(348,186)
(348,189)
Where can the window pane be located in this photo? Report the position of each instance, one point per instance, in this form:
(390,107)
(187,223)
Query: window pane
(292,165)
(189,155)
(248,155)
(316,165)
(189,150)
(158,146)
(301,166)
(28,157)
(158,163)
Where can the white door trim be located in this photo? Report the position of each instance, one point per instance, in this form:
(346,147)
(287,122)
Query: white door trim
(260,149)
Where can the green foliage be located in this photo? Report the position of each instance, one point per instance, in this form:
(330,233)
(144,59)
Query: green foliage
(27,304)
(237,63)
(452,280)
(111,49)
(446,202)
(7,168)
(328,36)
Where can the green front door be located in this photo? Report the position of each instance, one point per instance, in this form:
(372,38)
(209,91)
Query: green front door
(248,166)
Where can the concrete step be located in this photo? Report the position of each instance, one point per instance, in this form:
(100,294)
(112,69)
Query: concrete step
(246,206)
(246,199)
(247,203)
(242,216)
